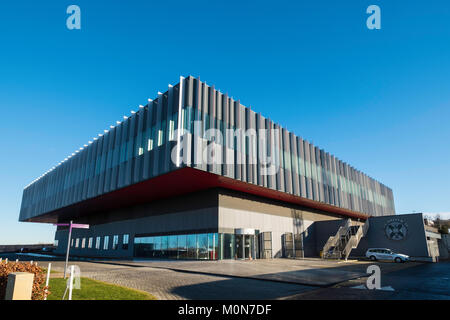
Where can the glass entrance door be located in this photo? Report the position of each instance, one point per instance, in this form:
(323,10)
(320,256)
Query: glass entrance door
(239,238)
(245,246)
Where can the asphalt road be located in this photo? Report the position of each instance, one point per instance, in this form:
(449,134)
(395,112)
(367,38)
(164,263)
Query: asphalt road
(428,281)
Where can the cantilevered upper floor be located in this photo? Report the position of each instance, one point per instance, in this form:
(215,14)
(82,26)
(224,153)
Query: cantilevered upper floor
(194,137)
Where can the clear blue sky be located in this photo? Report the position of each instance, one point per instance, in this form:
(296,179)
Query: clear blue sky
(377,99)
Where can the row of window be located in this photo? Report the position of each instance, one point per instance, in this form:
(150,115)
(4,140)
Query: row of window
(182,246)
(80,243)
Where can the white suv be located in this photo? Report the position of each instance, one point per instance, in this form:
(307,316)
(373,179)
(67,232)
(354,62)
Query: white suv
(386,254)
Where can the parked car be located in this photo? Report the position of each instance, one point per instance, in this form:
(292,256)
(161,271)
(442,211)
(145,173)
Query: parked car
(385,254)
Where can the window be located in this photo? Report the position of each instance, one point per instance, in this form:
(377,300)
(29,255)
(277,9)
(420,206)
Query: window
(77,243)
(115,244)
(90,243)
(83,243)
(172,249)
(183,246)
(202,240)
(125,241)
(56,243)
(97,243)
(105,243)
(71,243)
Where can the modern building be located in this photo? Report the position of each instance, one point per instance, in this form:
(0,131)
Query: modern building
(194,174)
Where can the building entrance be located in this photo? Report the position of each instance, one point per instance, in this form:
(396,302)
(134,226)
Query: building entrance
(245,244)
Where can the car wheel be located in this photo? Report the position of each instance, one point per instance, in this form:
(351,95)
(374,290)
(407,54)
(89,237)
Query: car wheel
(398,260)
(373,258)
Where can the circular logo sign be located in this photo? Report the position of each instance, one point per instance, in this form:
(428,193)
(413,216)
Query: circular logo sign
(396,229)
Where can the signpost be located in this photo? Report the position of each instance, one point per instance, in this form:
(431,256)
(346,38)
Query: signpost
(70,225)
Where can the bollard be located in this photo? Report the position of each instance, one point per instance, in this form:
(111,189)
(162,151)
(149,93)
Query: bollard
(72,268)
(48,279)
(19,286)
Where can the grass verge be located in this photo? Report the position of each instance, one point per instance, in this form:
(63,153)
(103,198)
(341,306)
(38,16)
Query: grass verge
(96,290)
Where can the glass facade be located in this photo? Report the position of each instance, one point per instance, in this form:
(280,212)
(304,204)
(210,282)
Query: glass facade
(202,246)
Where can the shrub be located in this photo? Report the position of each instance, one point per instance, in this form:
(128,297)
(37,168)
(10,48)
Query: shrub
(39,288)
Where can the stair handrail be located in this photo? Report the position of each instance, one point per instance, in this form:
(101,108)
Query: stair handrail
(352,243)
(365,227)
(333,240)
(354,240)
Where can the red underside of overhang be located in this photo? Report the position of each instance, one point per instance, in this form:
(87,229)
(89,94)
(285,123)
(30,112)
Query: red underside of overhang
(182,181)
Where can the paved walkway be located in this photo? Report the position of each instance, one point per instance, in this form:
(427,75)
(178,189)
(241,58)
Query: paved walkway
(168,284)
(227,279)
(310,272)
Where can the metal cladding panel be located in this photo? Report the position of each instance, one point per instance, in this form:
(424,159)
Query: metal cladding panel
(270,179)
(324,182)
(109,160)
(329,184)
(86,174)
(315,186)
(104,150)
(254,148)
(247,147)
(320,186)
(301,167)
(140,134)
(93,151)
(83,158)
(147,126)
(309,187)
(236,142)
(334,180)
(129,164)
(116,156)
(278,143)
(226,166)
(295,171)
(261,177)
(189,92)
(286,147)
(171,99)
(156,149)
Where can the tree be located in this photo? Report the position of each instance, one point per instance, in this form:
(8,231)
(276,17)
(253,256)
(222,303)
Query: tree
(443,229)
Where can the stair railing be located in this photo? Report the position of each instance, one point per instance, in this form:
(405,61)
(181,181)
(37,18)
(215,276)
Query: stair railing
(334,240)
(354,240)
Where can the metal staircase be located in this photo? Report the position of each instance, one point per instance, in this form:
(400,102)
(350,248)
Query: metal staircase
(346,239)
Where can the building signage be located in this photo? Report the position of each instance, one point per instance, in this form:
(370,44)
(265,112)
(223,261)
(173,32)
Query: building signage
(396,229)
